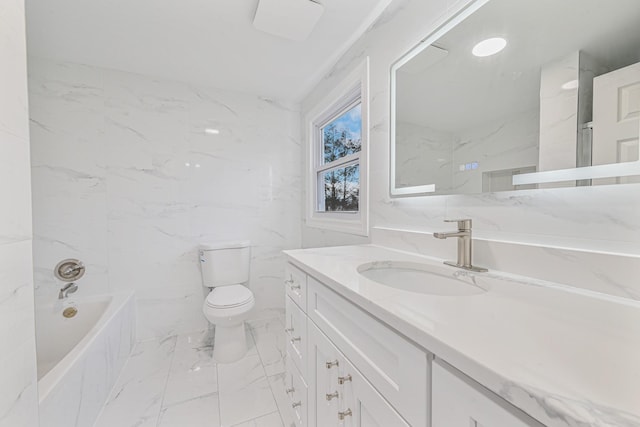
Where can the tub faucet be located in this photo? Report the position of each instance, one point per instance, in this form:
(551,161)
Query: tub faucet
(464,244)
(69,288)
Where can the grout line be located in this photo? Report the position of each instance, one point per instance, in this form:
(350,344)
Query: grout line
(266,376)
(166,381)
(257,418)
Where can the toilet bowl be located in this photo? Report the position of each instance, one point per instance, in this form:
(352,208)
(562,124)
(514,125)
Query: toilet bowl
(225,271)
(227,308)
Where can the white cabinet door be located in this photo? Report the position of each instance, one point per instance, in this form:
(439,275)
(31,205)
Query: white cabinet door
(343,397)
(459,402)
(363,406)
(324,369)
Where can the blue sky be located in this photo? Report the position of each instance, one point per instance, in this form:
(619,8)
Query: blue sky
(351,121)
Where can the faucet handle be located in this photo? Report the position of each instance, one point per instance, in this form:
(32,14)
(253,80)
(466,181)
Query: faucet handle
(463,224)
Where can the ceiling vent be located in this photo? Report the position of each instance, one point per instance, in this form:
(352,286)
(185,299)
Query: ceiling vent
(290,19)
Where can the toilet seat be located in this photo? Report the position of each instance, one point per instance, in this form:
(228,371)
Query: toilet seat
(229,297)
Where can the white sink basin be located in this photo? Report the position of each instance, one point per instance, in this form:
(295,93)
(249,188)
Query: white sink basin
(421,278)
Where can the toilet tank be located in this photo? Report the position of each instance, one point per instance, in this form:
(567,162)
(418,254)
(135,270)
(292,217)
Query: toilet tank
(225,263)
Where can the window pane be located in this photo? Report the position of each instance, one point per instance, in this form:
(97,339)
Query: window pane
(342,136)
(341,189)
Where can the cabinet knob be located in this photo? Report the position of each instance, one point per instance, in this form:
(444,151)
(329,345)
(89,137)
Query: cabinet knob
(296,404)
(290,390)
(342,415)
(331,396)
(294,339)
(331,364)
(342,380)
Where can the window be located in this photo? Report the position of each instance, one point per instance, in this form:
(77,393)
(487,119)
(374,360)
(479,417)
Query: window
(337,141)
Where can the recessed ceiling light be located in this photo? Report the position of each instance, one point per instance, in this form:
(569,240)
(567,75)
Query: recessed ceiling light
(571,84)
(210,131)
(489,47)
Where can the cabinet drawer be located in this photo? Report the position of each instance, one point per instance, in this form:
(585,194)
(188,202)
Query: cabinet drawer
(458,401)
(397,368)
(296,335)
(295,282)
(297,391)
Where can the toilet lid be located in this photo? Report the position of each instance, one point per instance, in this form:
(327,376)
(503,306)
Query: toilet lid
(229,296)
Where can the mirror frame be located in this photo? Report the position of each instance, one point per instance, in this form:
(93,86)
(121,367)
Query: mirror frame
(613,170)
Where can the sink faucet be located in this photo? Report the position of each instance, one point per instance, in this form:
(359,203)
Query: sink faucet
(69,288)
(464,244)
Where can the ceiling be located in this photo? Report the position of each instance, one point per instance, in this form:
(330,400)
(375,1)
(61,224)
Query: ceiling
(202,42)
(454,91)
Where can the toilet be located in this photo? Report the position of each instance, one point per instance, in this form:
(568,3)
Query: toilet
(225,271)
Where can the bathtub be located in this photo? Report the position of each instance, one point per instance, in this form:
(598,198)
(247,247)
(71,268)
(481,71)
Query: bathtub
(80,358)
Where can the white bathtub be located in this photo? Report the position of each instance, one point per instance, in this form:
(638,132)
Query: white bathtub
(79,358)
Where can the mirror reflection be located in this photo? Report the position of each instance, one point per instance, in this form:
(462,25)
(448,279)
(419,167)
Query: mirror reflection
(517,87)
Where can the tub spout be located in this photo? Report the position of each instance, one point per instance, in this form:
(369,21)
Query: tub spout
(69,288)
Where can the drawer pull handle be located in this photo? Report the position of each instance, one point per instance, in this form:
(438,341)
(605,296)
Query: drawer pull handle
(290,390)
(342,380)
(296,404)
(294,339)
(342,415)
(289,330)
(333,395)
(289,280)
(294,287)
(331,364)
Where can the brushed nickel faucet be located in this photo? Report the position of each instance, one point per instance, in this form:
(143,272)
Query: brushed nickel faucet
(464,244)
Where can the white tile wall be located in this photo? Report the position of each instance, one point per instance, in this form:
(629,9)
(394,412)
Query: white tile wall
(18,392)
(601,218)
(126,179)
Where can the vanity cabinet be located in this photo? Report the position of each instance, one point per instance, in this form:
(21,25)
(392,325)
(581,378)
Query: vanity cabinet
(458,401)
(342,395)
(346,368)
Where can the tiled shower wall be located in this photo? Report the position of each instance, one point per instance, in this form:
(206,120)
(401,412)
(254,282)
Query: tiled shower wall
(18,387)
(126,179)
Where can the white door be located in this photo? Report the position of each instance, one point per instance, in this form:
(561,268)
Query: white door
(616,118)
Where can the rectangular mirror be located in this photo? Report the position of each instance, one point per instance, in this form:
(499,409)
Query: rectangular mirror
(519,94)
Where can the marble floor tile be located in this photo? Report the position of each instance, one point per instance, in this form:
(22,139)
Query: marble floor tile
(201,411)
(193,371)
(271,420)
(244,391)
(278,386)
(270,343)
(176,382)
(137,396)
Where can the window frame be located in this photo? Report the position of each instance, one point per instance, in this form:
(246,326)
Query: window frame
(352,90)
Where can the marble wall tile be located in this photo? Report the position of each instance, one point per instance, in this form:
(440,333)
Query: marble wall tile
(18,393)
(128,181)
(597,219)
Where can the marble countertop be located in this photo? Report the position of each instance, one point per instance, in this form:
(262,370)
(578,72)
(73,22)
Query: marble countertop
(565,357)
